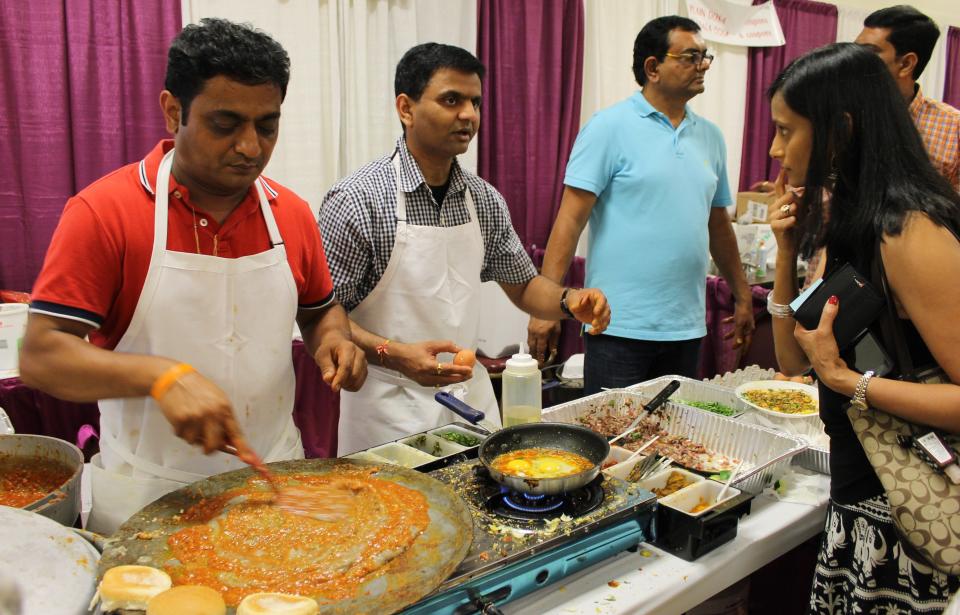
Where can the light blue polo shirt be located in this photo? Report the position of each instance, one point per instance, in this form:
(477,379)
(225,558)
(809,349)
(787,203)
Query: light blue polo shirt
(649,244)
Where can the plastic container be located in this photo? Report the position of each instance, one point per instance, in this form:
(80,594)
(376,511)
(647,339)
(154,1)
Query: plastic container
(402,455)
(703,491)
(659,480)
(522,391)
(367,456)
(433,445)
(690,535)
(13,325)
(472,436)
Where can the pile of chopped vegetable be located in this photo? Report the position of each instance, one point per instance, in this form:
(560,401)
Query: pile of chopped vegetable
(460,438)
(711,406)
(787,401)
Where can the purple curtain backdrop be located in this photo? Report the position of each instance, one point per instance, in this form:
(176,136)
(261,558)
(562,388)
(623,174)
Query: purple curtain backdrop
(951,85)
(533,51)
(806,25)
(79,88)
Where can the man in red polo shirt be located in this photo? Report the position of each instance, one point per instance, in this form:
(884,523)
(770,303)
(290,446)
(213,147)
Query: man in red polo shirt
(187,271)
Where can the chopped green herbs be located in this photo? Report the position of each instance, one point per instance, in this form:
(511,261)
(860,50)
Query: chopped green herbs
(711,406)
(460,438)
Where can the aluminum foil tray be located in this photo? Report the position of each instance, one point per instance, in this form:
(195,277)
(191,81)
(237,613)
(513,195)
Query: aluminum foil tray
(815,458)
(694,390)
(767,453)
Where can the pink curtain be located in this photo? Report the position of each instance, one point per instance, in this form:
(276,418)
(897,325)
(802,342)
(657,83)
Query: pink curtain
(79,88)
(806,25)
(951,86)
(533,51)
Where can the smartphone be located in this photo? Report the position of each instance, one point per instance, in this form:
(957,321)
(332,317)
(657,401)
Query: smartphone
(869,354)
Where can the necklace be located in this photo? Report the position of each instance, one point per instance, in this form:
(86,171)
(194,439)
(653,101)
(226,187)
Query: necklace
(196,235)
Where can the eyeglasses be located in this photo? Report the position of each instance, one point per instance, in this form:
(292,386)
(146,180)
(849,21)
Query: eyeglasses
(695,58)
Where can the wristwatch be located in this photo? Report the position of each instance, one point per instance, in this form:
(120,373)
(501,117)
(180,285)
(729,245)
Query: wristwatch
(859,399)
(563,304)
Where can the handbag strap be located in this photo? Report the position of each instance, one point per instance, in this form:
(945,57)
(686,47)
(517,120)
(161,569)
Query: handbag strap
(891,328)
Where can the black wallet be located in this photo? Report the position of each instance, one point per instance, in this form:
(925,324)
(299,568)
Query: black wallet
(860,305)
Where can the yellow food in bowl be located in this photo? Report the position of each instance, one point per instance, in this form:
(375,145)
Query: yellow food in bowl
(787,401)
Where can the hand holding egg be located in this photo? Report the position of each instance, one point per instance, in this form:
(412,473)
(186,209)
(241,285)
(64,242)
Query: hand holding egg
(465,358)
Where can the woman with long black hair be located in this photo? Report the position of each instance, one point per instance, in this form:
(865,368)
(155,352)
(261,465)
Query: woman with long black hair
(843,131)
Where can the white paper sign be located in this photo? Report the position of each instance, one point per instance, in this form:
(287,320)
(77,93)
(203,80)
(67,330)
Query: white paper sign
(734,24)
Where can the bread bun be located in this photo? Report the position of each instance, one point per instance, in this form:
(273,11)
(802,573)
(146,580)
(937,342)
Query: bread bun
(277,604)
(187,600)
(130,587)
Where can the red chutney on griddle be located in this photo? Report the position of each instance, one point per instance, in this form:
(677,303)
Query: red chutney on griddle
(24,480)
(240,544)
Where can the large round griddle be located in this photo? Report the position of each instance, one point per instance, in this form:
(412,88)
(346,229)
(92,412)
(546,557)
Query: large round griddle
(432,558)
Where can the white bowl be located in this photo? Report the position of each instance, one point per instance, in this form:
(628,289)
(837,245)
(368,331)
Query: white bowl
(779,384)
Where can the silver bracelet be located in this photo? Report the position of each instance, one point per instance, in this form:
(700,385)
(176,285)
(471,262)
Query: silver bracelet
(778,310)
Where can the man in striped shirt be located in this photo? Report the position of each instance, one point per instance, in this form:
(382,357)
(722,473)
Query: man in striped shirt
(904,38)
(409,238)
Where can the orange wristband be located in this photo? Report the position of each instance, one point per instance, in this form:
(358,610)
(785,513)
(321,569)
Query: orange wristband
(168,378)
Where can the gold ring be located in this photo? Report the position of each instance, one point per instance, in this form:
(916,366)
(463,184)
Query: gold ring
(439,368)
(785,209)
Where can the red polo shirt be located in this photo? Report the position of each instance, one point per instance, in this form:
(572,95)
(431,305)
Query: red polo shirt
(98,258)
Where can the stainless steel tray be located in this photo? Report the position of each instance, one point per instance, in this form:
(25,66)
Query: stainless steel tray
(694,390)
(767,453)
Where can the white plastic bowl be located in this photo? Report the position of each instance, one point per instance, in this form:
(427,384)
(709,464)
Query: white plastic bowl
(779,384)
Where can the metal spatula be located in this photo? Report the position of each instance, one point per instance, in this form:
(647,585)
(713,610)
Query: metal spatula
(316,502)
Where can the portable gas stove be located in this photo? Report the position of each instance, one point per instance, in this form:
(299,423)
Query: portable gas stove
(523,543)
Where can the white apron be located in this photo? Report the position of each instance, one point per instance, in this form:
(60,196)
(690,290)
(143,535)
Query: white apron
(430,290)
(229,318)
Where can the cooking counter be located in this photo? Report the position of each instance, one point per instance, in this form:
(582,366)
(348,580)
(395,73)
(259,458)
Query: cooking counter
(651,581)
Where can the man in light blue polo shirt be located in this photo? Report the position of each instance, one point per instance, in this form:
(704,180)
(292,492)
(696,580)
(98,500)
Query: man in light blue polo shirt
(651,177)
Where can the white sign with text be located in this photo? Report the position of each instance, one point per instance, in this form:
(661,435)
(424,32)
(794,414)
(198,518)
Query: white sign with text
(734,24)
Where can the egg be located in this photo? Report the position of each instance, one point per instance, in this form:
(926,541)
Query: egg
(465,357)
(550,467)
(517,466)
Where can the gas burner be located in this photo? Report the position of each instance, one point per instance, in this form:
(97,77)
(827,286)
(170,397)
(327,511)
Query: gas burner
(530,503)
(520,506)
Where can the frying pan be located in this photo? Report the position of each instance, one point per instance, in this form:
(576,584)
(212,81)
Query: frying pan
(571,438)
(432,557)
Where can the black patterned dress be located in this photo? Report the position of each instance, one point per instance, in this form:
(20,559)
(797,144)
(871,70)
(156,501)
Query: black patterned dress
(863,569)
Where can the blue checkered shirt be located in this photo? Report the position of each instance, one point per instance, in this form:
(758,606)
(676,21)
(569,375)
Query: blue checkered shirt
(358,223)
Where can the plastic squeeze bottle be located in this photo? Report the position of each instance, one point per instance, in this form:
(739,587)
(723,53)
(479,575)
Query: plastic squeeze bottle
(522,387)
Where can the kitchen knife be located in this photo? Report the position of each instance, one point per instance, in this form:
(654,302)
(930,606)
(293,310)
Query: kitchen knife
(657,401)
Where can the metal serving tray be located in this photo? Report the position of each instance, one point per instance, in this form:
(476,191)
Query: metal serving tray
(815,458)
(768,453)
(694,390)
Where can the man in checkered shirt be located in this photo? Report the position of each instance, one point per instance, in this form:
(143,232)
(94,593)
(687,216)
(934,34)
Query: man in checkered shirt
(409,238)
(904,38)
